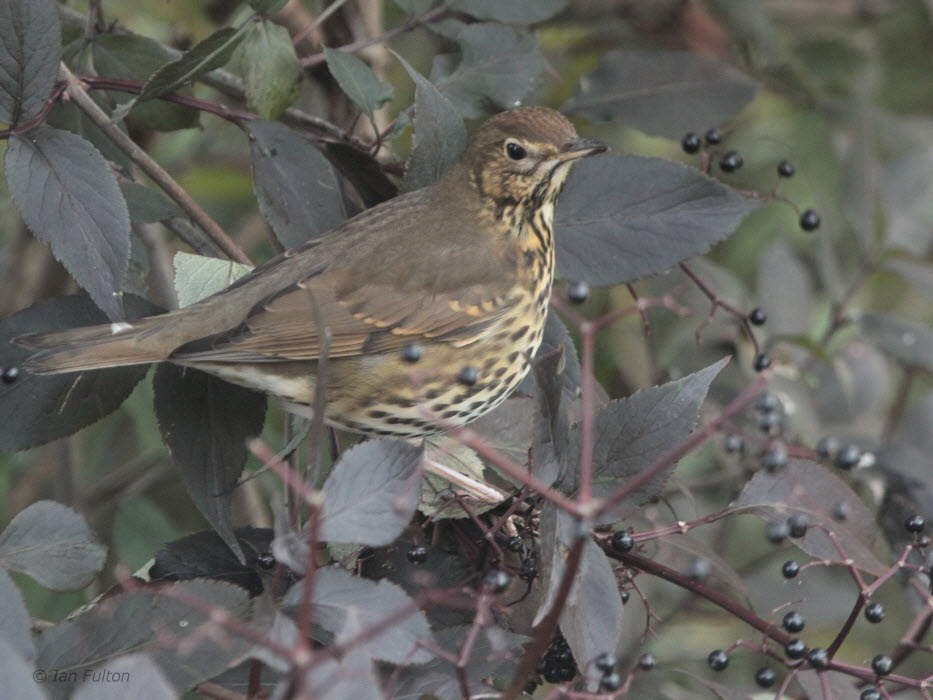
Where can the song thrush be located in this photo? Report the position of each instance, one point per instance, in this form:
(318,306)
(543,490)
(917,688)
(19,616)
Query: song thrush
(434,302)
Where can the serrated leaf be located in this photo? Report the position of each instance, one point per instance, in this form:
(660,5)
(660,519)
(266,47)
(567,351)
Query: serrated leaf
(906,341)
(52,544)
(15,623)
(197,276)
(36,409)
(785,290)
(631,433)
(205,422)
(499,64)
(139,622)
(70,199)
(298,191)
(666,93)
(70,117)
(810,489)
(208,54)
(137,58)
(139,677)
(358,81)
(510,11)
(19,679)
(338,594)
(623,218)
(439,136)
(270,69)
(352,677)
(29,55)
(147,205)
(371,494)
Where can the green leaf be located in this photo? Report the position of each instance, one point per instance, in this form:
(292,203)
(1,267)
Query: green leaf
(147,205)
(270,69)
(197,276)
(134,57)
(510,11)
(415,7)
(623,218)
(69,198)
(666,93)
(906,341)
(208,54)
(267,7)
(358,81)
(52,544)
(30,51)
(15,623)
(499,64)
(298,191)
(439,136)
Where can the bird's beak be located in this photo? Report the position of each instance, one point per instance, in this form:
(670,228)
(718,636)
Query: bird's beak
(580,148)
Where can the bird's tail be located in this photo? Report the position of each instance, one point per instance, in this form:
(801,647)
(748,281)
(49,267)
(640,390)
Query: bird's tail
(94,347)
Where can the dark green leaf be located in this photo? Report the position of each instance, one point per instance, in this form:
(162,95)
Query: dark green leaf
(270,69)
(363,171)
(371,494)
(556,336)
(631,433)
(19,679)
(439,136)
(143,679)
(623,218)
(499,64)
(70,199)
(907,196)
(785,290)
(197,277)
(906,341)
(36,409)
(52,544)
(415,7)
(15,623)
(298,191)
(205,422)
(29,55)
(510,11)
(70,117)
(267,7)
(919,274)
(549,452)
(338,594)
(666,93)
(205,56)
(812,490)
(134,57)
(146,205)
(358,81)
(138,622)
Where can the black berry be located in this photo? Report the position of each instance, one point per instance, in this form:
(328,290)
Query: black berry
(882,664)
(874,612)
(531,686)
(765,677)
(622,541)
(266,561)
(774,459)
(870,694)
(718,660)
(713,137)
(797,524)
(795,649)
(496,581)
(809,220)
(777,532)
(646,662)
(605,663)
(732,443)
(767,402)
(757,317)
(528,569)
(624,595)
(793,622)
(610,682)
(411,352)
(514,543)
(468,376)
(731,161)
(848,457)
(841,511)
(827,447)
(577,292)
(698,570)
(818,658)
(690,143)
(417,555)
(915,523)
(785,169)
(769,420)
(762,362)
(9,374)
(790,569)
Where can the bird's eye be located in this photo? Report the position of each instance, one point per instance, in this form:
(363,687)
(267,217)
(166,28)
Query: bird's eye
(515,151)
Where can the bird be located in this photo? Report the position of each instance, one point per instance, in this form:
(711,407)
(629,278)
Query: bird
(426,309)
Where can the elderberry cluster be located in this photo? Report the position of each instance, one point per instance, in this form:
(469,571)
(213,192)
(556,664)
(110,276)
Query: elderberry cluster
(557,666)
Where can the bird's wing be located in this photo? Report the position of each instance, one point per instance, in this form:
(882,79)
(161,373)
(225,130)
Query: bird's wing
(369,318)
